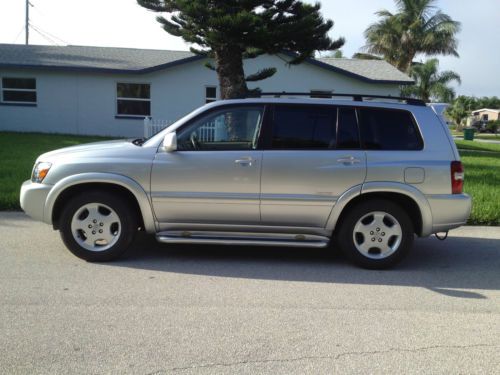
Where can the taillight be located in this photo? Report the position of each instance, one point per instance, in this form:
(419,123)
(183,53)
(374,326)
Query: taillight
(457,177)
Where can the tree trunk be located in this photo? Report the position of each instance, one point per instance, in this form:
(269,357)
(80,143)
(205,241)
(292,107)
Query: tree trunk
(229,68)
(406,63)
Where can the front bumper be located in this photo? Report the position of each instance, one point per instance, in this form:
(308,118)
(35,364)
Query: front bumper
(449,211)
(33,197)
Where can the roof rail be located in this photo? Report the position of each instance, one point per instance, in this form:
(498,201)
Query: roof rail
(355,97)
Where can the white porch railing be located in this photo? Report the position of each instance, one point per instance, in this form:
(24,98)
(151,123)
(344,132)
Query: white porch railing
(206,133)
(153,126)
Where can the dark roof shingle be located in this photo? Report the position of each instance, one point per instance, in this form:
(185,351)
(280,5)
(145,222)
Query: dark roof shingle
(374,70)
(82,57)
(133,60)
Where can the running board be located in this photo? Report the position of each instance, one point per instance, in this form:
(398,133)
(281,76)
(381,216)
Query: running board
(248,239)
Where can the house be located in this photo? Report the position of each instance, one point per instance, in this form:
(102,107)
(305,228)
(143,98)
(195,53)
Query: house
(109,91)
(484,115)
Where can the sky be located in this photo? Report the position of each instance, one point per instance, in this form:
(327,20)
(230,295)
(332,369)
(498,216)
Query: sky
(123,23)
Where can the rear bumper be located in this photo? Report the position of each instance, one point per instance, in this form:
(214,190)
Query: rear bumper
(32,199)
(449,211)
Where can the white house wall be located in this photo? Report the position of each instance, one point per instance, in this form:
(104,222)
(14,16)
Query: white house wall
(85,103)
(306,77)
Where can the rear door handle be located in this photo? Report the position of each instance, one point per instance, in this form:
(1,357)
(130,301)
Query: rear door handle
(244,162)
(349,160)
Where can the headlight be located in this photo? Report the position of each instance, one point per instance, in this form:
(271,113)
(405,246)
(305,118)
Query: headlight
(40,171)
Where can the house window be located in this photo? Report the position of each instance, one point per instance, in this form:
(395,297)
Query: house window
(485,118)
(133,99)
(19,90)
(210,94)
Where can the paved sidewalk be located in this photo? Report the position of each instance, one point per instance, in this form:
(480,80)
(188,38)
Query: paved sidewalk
(479,140)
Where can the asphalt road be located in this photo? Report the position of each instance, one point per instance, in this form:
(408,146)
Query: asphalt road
(216,310)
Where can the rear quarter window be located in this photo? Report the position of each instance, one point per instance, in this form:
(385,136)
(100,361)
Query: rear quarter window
(388,129)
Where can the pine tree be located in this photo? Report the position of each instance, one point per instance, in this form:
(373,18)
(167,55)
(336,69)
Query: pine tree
(232,30)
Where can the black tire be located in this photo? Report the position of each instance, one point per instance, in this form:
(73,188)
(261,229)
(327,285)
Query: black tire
(346,237)
(128,225)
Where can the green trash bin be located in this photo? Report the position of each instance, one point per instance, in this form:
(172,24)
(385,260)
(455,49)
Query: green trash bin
(469,134)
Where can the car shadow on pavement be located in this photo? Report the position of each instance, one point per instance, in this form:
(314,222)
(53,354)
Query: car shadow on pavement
(451,268)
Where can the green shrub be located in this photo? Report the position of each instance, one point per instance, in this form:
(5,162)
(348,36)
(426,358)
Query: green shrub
(493,126)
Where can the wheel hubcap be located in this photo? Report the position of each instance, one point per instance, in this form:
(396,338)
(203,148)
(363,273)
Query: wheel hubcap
(377,235)
(96,227)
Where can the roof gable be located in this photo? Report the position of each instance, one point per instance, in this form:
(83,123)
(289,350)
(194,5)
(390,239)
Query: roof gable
(371,70)
(139,61)
(487,110)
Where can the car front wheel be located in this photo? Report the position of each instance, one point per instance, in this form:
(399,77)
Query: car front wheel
(97,226)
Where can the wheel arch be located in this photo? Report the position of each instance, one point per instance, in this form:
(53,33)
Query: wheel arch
(408,197)
(69,186)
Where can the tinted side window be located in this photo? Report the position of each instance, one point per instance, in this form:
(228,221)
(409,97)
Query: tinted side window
(306,127)
(385,129)
(347,130)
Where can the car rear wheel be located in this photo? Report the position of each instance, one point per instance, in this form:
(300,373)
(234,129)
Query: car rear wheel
(376,234)
(97,226)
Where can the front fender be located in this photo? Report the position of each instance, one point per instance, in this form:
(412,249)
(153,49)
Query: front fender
(105,178)
(384,187)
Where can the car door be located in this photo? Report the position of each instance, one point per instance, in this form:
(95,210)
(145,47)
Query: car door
(214,175)
(312,157)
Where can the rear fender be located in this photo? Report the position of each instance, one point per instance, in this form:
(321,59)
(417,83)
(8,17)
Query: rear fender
(383,187)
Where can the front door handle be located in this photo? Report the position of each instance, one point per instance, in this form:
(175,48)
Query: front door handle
(244,162)
(349,160)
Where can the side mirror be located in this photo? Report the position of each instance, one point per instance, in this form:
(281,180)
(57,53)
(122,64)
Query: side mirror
(170,142)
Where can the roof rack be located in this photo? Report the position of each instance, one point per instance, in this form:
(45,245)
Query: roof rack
(355,97)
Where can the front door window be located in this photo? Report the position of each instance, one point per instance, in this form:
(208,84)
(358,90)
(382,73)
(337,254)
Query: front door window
(235,128)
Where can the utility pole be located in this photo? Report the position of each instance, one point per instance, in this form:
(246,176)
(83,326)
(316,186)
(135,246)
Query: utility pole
(27,23)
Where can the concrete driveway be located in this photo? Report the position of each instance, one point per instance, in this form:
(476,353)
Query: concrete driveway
(215,310)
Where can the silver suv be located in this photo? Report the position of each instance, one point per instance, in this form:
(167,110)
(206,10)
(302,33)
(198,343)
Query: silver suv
(368,174)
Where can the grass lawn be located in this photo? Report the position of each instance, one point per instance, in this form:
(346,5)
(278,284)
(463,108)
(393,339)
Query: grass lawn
(477,146)
(19,151)
(482,182)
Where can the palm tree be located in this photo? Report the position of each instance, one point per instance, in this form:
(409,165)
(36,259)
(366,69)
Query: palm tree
(430,84)
(461,109)
(416,27)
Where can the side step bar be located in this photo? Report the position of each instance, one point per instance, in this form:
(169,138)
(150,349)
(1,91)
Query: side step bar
(247,239)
